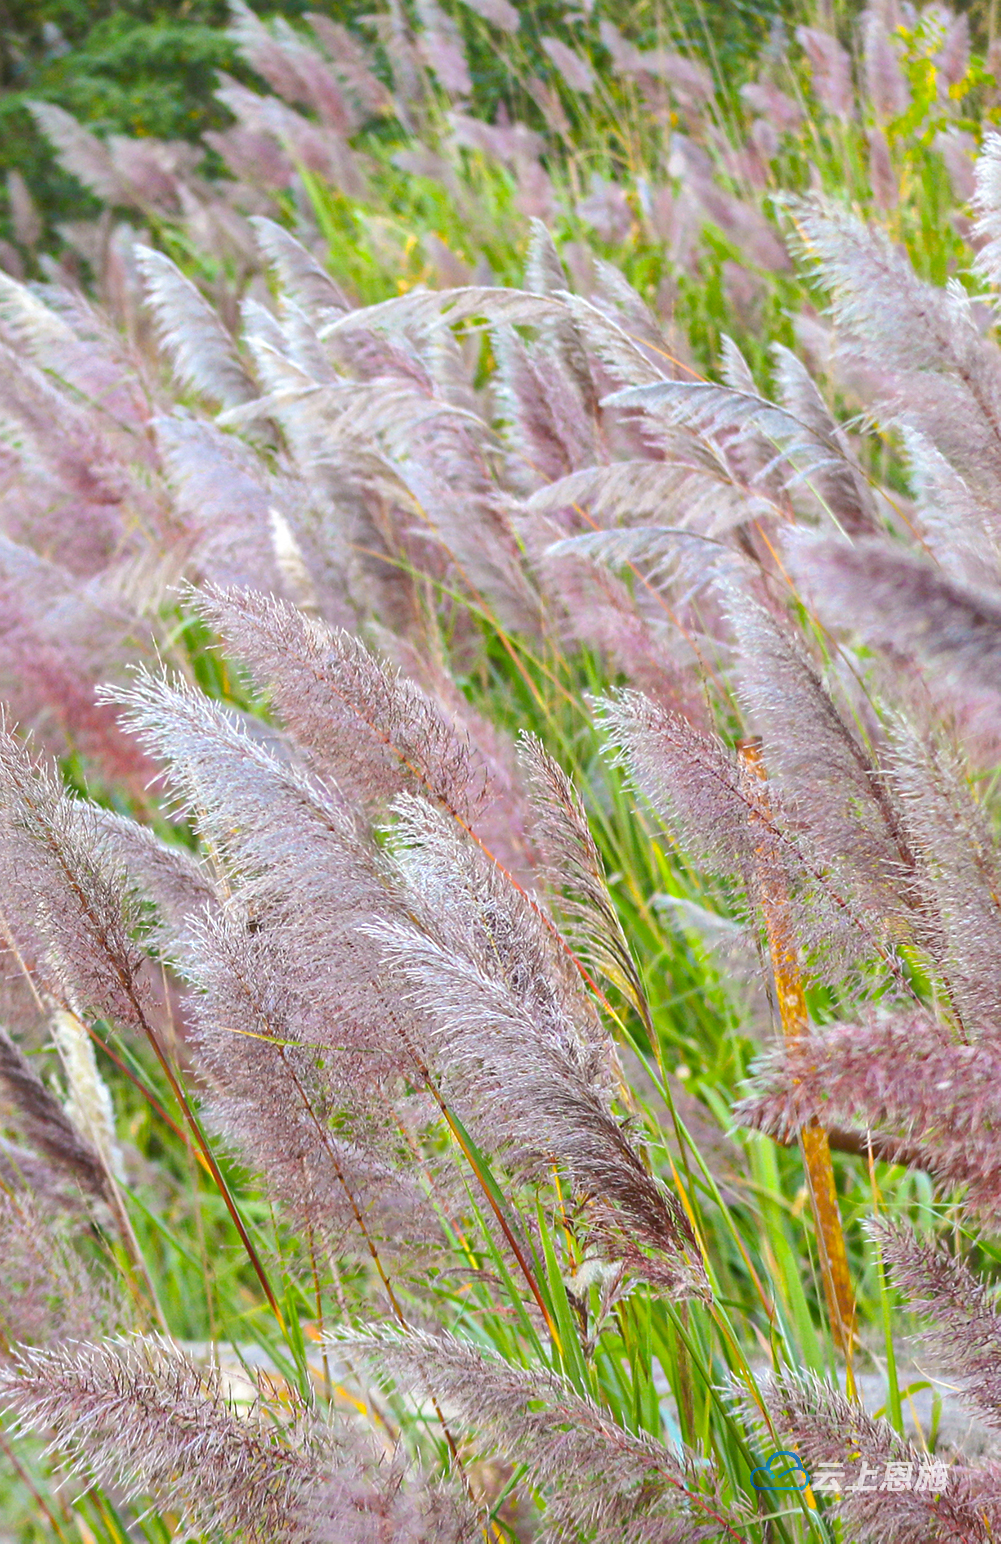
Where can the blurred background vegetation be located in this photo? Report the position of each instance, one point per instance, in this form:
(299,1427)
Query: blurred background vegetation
(146,67)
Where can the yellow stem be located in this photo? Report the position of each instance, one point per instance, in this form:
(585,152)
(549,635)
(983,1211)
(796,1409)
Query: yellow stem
(774,897)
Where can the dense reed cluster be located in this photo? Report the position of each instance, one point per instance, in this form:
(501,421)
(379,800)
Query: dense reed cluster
(308,605)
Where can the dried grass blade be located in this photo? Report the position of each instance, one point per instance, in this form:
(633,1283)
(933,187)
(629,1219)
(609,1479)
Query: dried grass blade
(774,898)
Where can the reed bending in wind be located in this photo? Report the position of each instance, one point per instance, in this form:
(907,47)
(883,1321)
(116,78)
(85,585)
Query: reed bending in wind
(366,1198)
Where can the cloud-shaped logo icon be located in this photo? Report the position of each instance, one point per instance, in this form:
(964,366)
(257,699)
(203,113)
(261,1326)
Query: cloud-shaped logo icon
(783,1471)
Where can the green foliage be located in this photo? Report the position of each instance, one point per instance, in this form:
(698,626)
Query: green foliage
(148,67)
(136,68)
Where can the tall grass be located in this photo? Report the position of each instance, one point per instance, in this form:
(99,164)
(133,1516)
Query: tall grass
(542,577)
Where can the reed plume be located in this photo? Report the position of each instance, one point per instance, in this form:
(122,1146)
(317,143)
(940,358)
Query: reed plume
(390,966)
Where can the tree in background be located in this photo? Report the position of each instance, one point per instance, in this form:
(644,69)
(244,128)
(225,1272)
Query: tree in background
(149,67)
